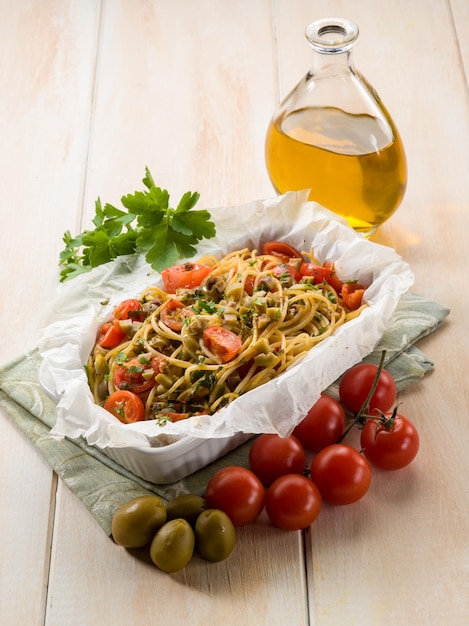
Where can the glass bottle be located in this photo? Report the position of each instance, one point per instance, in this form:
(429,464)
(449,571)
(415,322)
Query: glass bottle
(333,135)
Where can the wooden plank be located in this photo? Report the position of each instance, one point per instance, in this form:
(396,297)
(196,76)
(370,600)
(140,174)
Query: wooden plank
(46,78)
(201,122)
(27,494)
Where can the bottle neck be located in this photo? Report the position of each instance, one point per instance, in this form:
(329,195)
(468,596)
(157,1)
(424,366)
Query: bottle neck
(332,63)
(332,40)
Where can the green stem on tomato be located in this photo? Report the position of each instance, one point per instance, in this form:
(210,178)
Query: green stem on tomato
(363,412)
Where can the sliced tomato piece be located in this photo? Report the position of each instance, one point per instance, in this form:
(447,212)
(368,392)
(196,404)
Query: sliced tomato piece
(322,274)
(176,417)
(334,281)
(244,369)
(318,273)
(110,335)
(283,250)
(249,285)
(130,309)
(221,342)
(137,374)
(126,406)
(185,276)
(174,314)
(352,295)
(286,273)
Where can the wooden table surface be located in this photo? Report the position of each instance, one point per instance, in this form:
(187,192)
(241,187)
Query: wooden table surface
(91,91)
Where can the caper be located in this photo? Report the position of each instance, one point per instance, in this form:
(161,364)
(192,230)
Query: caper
(187,506)
(215,535)
(173,545)
(135,522)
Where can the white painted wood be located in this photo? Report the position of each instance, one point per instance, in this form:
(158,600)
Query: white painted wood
(46,77)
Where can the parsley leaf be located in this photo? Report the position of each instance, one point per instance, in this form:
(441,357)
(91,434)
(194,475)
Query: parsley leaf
(146,224)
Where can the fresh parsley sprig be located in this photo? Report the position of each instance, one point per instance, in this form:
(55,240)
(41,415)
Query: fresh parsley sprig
(146,224)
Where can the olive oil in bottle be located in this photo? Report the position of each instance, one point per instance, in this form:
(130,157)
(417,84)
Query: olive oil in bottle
(333,135)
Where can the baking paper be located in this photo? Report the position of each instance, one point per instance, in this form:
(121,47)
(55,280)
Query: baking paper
(275,407)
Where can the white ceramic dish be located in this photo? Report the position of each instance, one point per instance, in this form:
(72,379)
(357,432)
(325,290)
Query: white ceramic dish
(165,464)
(176,460)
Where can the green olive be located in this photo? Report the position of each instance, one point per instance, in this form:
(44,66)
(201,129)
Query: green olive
(215,535)
(173,545)
(187,506)
(135,522)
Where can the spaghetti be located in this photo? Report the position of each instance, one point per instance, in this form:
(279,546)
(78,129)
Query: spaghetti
(198,349)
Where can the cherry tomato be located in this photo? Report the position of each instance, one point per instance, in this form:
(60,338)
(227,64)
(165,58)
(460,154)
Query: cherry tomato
(126,406)
(322,273)
(357,382)
(238,492)
(293,502)
(272,456)
(318,273)
(352,295)
(221,342)
(390,443)
(137,374)
(243,369)
(249,285)
(174,314)
(110,335)
(286,273)
(280,249)
(333,280)
(323,425)
(185,276)
(129,309)
(341,474)
(173,416)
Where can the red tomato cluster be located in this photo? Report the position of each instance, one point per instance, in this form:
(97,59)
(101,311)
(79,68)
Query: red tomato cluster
(290,266)
(350,292)
(278,477)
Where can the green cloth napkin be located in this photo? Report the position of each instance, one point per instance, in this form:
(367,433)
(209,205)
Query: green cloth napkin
(103,485)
